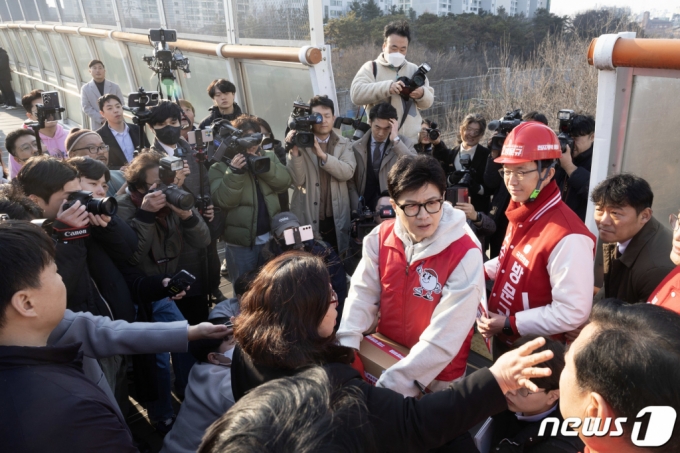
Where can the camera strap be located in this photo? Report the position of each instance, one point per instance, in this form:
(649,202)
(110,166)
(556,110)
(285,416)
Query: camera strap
(63,232)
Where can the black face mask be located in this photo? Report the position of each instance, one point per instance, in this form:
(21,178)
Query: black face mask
(169,135)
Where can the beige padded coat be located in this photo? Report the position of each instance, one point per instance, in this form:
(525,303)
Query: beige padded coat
(368,90)
(304,171)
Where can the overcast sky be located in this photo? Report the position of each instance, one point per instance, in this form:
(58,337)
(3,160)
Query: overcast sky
(570,7)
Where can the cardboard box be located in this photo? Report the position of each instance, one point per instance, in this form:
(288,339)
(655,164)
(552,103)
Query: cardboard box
(378,353)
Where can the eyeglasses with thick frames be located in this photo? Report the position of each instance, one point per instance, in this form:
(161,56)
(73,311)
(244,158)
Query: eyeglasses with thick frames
(94,149)
(673,220)
(505,173)
(431,207)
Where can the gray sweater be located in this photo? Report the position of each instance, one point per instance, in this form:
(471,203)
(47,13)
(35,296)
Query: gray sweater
(101,337)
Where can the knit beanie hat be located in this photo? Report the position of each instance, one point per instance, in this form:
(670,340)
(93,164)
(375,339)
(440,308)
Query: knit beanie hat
(74,137)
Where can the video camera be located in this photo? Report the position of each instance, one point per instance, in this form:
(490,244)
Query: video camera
(233,142)
(416,81)
(364,220)
(49,110)
(301,121)
(360,128)
(164,61)
(566,118)
(137,104)
(458,192)
(504,125)
(102,206)
(167,171)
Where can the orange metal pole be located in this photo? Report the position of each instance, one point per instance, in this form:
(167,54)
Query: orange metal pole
(291,54)
(643,53)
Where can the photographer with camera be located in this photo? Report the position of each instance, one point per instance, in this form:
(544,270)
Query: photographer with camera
(164,219)
(279,244)
(376,153)
(52,135)
(320,172)
(22,145)
(91,243)
(222,92)
(429,140)
(122,138)
(474,155)
(165,121)
(250,200)
(573,174)
(383,78)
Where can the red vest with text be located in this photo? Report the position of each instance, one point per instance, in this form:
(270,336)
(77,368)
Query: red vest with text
(534,229)
(409,294)
(667,294)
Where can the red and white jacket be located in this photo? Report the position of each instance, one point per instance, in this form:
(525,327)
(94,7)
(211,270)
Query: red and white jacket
(667,294)
(543,277)
(427,293)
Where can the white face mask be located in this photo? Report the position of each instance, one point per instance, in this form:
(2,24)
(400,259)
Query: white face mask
(396,59)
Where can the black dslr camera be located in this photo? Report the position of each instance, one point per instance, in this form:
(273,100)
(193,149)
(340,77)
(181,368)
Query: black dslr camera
(301,121)
(433,132)
(233,142)
(566,118)
(503,127)
(360,128)
(102,206)
(164,61)
(414,82)
(177,197)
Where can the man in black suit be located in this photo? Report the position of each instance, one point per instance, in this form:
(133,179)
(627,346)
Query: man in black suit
(471,132)
(122,137)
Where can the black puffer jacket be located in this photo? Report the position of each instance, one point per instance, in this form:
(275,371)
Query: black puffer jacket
(89,269)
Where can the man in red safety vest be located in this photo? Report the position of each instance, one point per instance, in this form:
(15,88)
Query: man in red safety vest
(667,294)
(424,272)
(543,277)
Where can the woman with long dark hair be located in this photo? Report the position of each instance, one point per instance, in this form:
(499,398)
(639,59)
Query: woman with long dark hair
(286,325)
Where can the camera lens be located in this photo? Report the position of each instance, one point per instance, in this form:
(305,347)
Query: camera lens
(106,206)
(419,80)
(258,165)
(179,198)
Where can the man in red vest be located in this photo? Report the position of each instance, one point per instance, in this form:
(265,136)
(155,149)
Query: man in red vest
(667,294)
(423,271)
(543,277)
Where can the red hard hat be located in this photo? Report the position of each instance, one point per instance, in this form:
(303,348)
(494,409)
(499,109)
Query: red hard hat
(529,141)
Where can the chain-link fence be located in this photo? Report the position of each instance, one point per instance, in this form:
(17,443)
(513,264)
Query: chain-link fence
(453,97)
(278,20)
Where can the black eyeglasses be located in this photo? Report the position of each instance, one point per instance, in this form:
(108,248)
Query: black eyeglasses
(94,149)
(431,207)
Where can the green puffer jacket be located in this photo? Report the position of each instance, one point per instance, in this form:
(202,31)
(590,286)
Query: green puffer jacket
(235,194)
